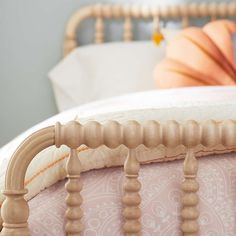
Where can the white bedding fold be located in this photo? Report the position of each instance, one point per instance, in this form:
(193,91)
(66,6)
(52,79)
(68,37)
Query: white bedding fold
(180,104)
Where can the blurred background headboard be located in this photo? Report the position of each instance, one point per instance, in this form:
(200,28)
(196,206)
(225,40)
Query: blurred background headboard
(101,12)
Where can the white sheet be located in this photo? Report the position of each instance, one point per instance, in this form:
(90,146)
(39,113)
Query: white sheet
(101,71)
(180,104)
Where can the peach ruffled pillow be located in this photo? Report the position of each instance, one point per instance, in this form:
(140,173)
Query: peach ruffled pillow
(199,57)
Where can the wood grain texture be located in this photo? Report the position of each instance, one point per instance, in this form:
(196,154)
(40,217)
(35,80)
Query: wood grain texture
(151,133)
(105,11)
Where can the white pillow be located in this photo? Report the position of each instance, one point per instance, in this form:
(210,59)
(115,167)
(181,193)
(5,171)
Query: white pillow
(96,72)
(99,71)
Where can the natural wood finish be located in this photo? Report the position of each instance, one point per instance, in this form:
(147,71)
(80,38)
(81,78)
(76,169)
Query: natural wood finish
(112,134)
(128,35)
(99,24)
(184,15)
(103,11)
(185,22)
(15,209)
(99,30)
(151,133)
(131,198)
(73,200)
(156,24)
(15,213)
(190,198)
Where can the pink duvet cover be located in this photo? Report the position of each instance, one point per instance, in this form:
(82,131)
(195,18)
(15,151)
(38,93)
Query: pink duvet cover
(161,197)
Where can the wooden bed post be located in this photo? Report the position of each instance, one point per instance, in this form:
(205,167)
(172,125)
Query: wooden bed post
(15,213)
(15,210)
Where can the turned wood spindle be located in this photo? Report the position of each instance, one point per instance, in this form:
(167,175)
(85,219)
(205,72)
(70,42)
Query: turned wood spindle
(128,29)
(222,9)
(99,24)
(193,9)
(184,13)
(100,11)
(231,9)
(107,11)
(73,200)
(70,44)
(190,199)
(145,11)
(131,198)
(99,30)
(128,34)
(185,22)
(212,8)
(156,24)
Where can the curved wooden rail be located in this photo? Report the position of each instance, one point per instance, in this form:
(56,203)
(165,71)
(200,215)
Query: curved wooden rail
(15,210)
(102,11)
(112,134)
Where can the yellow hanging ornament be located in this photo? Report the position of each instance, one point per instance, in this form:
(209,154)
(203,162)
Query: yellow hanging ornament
(157,36)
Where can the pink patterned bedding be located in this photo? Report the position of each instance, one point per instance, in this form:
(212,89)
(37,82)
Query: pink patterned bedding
(161,196)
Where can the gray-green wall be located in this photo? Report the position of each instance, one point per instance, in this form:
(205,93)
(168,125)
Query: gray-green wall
(31,36)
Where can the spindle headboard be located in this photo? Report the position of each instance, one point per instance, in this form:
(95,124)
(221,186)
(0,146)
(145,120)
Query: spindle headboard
(101,12)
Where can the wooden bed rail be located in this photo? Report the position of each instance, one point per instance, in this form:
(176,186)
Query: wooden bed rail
(127,12)
(15,210)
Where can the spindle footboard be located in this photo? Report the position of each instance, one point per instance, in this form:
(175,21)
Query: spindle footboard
(15,210)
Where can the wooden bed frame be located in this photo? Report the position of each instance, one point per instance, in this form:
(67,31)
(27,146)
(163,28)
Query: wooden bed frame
(15,210)
(127,12)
